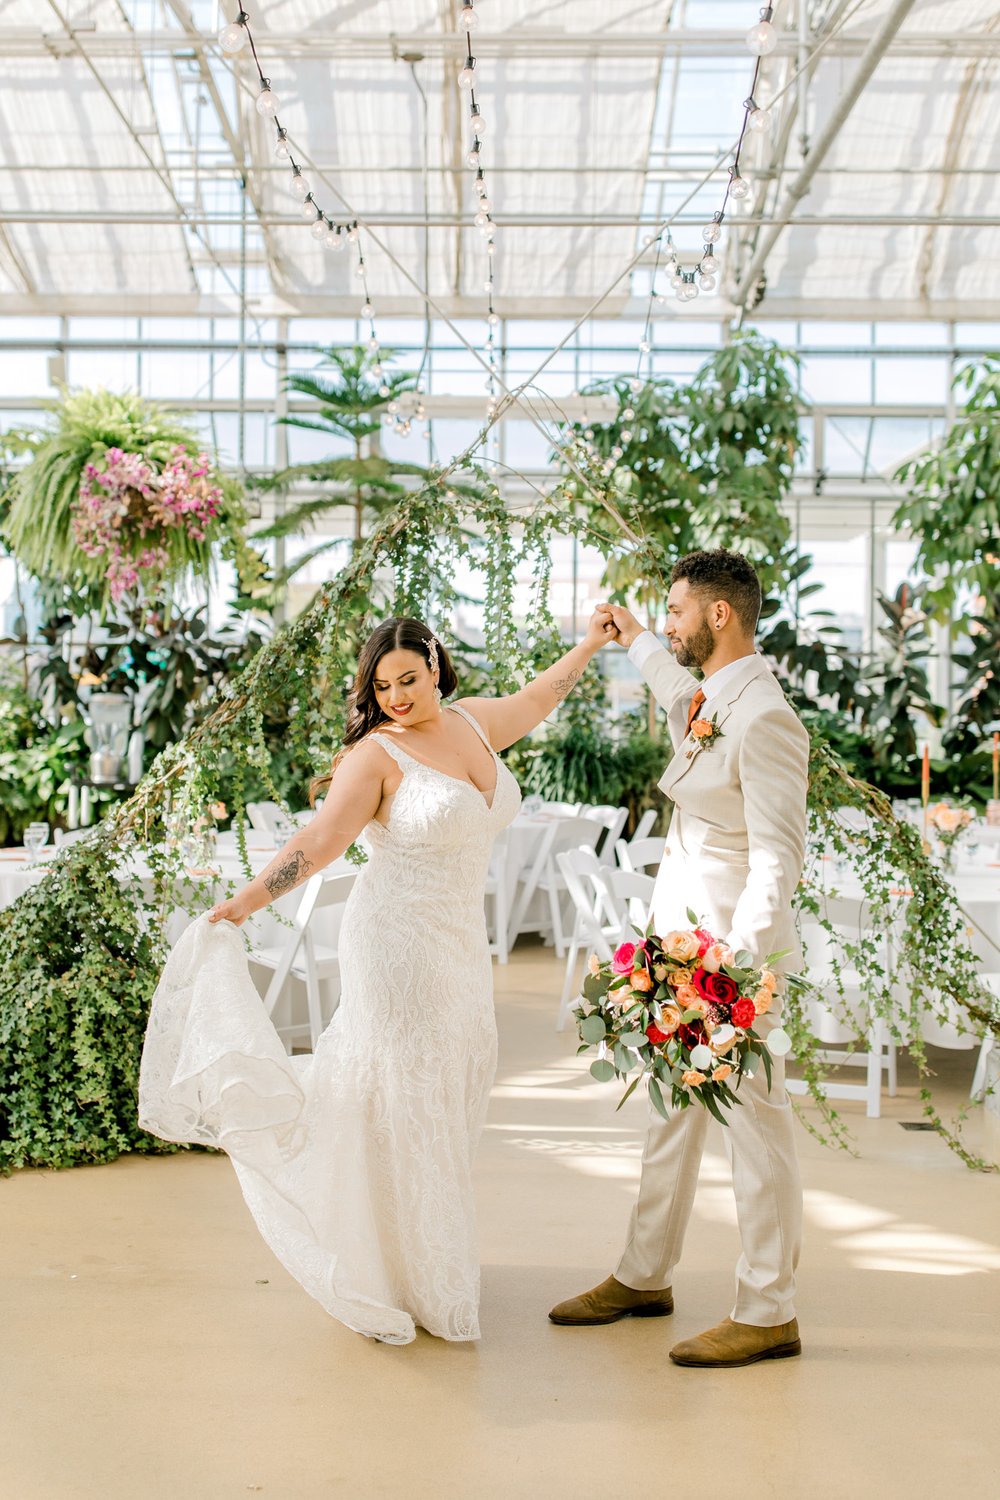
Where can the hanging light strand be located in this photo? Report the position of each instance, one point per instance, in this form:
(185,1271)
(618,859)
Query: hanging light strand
(332,233)
(687,282)
(468,20)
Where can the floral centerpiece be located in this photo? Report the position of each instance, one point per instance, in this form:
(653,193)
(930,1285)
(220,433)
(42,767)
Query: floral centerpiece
(679,1010)
(949,822)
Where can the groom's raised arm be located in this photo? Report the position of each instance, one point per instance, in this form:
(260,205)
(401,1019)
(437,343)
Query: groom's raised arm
(667,680)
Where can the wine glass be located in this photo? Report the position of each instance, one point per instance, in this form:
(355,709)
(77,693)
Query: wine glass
(36,835)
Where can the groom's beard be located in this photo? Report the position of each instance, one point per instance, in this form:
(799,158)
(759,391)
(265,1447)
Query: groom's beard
(696,651)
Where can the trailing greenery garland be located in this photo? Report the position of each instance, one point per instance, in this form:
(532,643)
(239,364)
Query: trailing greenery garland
(79,953)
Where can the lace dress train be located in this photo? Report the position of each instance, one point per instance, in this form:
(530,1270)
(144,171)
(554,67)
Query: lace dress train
(356,1161)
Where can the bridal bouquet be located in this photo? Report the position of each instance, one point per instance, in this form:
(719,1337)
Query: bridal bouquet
(680,1011)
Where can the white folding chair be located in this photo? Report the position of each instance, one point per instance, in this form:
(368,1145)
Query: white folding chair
(612,820)
(645,825)
(841,1021)
(627,897)
(592,930)
(952,1032)
(639,854)
(499,879)
(568,833)
(304,958)
(263,814)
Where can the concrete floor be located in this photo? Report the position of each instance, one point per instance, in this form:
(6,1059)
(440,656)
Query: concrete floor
(152,1347)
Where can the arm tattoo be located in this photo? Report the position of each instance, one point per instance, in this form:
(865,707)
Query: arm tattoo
(562,686)
(288,874)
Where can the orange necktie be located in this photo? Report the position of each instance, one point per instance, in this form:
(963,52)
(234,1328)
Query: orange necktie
(693,708)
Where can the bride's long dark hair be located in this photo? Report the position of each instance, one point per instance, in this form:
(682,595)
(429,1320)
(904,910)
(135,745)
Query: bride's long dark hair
(363,712)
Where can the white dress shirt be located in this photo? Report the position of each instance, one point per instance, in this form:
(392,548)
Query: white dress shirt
(646,643)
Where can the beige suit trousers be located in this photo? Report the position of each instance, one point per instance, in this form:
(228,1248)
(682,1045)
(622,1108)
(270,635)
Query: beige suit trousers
(761,1147)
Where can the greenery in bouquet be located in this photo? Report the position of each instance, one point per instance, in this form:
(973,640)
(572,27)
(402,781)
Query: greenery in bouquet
(679,1010)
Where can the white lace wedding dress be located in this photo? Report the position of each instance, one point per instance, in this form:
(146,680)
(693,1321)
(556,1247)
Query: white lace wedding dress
(356,1162)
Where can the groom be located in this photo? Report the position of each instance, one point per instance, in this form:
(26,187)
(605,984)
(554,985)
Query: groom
(734,855)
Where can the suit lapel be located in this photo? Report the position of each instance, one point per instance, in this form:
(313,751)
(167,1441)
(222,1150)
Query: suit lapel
(688,750)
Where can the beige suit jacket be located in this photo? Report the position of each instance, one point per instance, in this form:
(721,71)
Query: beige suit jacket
(737,837)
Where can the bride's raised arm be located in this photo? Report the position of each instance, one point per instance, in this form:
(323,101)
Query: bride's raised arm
(508,719)
(350,804)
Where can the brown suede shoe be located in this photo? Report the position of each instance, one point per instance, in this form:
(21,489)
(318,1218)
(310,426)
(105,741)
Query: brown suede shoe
(729,1344)
(609,1302)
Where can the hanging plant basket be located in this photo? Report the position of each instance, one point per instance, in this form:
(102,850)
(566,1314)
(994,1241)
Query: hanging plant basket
(118,499)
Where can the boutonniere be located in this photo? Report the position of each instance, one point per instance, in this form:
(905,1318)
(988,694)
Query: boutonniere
(705,732)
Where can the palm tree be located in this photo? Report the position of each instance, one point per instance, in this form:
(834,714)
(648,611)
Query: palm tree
(353,399)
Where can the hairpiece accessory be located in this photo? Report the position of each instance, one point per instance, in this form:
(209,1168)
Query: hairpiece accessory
(432,654)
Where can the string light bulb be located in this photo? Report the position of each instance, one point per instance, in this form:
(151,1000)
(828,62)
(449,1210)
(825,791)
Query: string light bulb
(707,282)
(709,265)
(712,233)
(762,38)
(309,209)
(281,149)
(473,159)
(467,75)
(334,239)
(233,38)
(477,122)
(267,100)
(367,310)
(739,187)
(318,230)
(759,120)
(299,184)
(468,20)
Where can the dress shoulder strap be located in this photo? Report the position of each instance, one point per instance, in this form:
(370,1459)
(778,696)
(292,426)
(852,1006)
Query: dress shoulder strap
(471,718)
(395,752)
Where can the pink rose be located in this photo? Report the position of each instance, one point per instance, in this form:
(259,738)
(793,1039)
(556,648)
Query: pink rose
(705,940)
(623,959)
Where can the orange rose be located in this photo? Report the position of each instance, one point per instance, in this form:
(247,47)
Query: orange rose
(660,973)
(763,1000)
(641,980)
(699,1003)
(682,946)
(702,728)
(687,996)
(669,1020)
(693,1077)
(769,980)
(721,1072)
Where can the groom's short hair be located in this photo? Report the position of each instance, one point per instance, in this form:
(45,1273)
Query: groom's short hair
(723,575)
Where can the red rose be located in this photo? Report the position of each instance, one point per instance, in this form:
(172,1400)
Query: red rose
(743,1012)
(705,940)
(624,958)
(655,1035)
(718,988)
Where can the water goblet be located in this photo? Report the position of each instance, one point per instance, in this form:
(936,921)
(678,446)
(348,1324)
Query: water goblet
(36,836)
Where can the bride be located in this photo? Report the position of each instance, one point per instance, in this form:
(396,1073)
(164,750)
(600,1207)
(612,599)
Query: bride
(356,1162)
